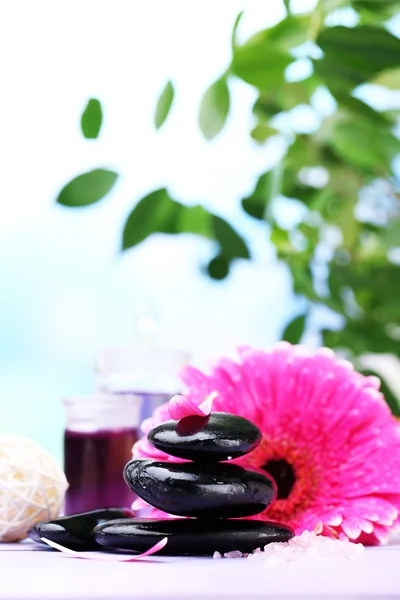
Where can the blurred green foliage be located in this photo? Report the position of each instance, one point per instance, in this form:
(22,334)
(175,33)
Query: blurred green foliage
(342,173)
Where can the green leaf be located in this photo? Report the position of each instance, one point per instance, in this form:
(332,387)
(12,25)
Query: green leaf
(195,219)
(281,240)
(261,132)
(158,212)
(292,188)
(218,267)
(376,9)
(360,108)
(338,76)
(287,5)
(266,105)
(256,204)
(294,330)
(231,244)
(365,48)
(155,212)
(392,400)
(391,233)
(214,108)
(293,93)
(87,188)
(354,55)
(285,35)
(389,79)
(264,70)
(91,119)
(302,278)
(328,6)
(311,235)
(364,144)
(164,105)
(260,62)
(376,289)
(362,338)
(373,5)
(234,30)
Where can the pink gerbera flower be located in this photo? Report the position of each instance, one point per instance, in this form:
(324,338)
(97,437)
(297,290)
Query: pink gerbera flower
(329,438)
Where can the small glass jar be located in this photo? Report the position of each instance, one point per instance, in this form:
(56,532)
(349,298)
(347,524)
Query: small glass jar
(100,432)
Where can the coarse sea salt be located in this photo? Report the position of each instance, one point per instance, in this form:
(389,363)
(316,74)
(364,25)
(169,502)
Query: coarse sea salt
(306,548)
(303,548)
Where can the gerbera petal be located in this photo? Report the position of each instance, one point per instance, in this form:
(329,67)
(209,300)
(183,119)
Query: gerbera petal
(382,533)
(375,509)
(196,381)
(366,526)
(334,520)
(373,381)
(351,529)
(143,449)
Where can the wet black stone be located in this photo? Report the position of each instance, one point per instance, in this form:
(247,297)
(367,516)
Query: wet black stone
(198,490)
(75,531)
(190,536)
(220,436)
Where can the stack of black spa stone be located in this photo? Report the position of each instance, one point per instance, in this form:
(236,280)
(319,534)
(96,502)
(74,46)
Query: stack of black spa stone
(214,494)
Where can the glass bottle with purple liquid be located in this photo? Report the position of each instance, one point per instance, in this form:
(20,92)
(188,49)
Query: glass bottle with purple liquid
(100,432)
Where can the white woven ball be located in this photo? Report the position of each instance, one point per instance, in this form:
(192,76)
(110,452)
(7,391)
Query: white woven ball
(32,486)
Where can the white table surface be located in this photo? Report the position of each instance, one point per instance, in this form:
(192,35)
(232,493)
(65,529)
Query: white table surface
(29,572)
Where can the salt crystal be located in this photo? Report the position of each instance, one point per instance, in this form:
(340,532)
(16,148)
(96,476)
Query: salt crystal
(217,555)
(306,547)
(233,554)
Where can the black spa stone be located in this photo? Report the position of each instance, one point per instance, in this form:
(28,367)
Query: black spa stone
(190,536)
(76,531)
(197,490)
(221,436)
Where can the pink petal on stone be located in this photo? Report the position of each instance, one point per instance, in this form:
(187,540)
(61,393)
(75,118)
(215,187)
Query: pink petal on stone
(107,557)
(182,406)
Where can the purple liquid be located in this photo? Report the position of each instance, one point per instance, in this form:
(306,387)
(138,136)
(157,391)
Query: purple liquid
(94,464)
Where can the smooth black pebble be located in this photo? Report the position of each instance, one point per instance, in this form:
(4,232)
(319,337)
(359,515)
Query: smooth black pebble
(221,436)
(197,490)
(76,531)
(191,536)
